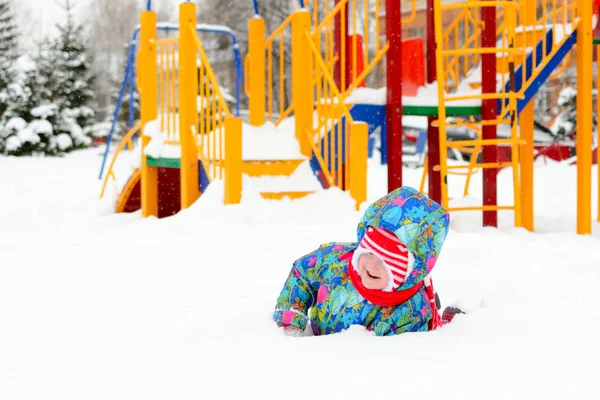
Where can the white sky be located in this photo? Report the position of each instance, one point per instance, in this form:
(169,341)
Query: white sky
(38,17)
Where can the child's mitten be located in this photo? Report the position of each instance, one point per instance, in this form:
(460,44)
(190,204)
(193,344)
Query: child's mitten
(292,331)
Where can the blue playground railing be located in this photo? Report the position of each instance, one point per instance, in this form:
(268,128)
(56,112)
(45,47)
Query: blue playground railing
(128,79)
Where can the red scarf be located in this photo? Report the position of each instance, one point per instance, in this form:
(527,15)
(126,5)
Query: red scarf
(379,297)
(386,299)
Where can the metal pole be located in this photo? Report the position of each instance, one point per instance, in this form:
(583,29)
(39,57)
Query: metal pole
(116,114)
(393,18)
(584,118)
(149,110)
(526,127)
(337,46)
(489,112)
(131,79)
(433,133)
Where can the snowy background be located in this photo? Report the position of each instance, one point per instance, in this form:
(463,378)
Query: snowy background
(40,16)
(95,305)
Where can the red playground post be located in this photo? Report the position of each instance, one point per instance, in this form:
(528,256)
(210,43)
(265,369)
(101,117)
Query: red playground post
(342,79)
(433,133)
(393,27)
(489,112)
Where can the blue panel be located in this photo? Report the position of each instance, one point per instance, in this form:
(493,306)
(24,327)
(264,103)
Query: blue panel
(421,142)
(203,181)
(539,49)
(373,115)
(544,74)
(547,71)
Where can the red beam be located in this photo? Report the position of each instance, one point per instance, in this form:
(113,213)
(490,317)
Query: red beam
(393,24)
(337,46)
(489,112)
(433,133)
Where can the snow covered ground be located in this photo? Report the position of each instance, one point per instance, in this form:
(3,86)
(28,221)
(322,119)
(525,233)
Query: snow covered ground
(95,305)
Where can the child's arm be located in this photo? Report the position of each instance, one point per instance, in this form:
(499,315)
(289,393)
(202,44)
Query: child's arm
(298,294)
(412,316)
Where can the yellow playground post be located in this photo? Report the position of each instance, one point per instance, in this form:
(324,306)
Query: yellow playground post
(233,160)
(149,109)
(359,143)
(302,78)
(526,125)
(256,74)
(584,117)
(188,108)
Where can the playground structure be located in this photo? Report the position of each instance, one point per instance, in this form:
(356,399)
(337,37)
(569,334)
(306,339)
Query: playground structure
(331,59)
(128,83)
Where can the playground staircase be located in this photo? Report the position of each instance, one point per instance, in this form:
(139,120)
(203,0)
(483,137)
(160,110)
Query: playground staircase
(329,61)
(527,51)
(190,137)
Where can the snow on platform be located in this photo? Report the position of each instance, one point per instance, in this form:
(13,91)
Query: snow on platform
(426,96)
(302,180)
(269,142)
(266,142)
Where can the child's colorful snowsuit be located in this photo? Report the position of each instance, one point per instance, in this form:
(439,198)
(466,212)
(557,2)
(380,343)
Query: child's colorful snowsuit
(320,281)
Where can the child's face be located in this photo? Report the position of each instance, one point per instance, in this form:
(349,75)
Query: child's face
(372,272)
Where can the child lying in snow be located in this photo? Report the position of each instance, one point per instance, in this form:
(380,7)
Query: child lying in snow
(382,282)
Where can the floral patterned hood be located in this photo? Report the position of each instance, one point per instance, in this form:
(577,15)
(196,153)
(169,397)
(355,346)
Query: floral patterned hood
(419,222)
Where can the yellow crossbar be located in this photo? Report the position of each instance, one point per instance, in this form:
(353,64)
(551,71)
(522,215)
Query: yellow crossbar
(480,165)
(482,208)
(487,96)
(484,142)
(481,50)
(479,4)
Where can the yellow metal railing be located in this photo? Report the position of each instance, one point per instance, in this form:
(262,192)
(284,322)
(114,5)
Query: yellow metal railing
(464,33)
(353,18)
(181,95)
(473,149)
(126,141)
(329,139)
(278,74)
(471,50)
(167,53)
(212,112)
(347,19)
(560,16)
(522,30)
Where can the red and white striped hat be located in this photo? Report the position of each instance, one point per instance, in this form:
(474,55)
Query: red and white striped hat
(397,258)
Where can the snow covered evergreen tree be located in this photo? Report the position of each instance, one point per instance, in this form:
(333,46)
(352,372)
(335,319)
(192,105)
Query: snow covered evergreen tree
(23,133)
(8,29)
(8,45)
(49,98)
(65,70)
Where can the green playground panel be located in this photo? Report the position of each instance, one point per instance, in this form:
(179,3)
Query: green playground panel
(432,111)
(163,162)
(424,111)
